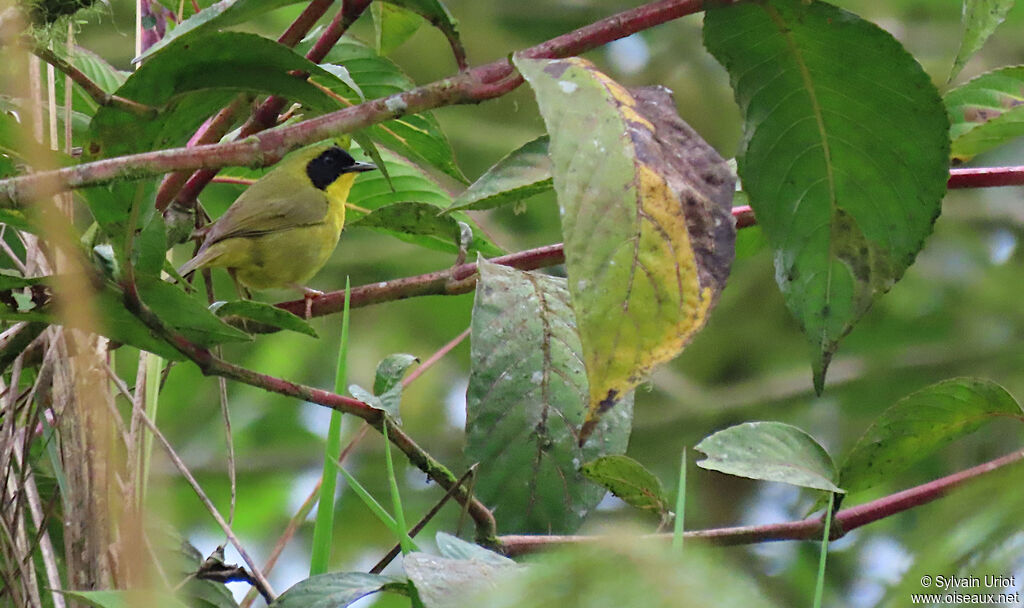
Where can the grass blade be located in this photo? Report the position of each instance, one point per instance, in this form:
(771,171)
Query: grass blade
(323,529)
(819,587)
(680,528)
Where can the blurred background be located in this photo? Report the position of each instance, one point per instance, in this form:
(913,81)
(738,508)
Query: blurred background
(957,312)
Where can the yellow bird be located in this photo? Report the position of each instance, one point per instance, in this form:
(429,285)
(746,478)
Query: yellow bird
(283,228)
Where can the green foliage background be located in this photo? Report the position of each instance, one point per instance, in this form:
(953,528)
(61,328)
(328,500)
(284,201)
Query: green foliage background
(957,312)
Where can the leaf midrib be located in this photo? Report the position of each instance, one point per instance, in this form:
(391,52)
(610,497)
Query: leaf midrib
(805,75)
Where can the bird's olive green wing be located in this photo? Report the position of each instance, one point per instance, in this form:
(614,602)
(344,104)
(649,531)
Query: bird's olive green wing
(283,199)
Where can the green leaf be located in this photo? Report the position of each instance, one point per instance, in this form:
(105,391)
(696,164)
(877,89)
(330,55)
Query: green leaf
(28,317)
(344,82)
(454,547)
(420,219)
(207,594)
(18,146)
(332,590)
(526,171)
(368,398)
(110,204)
(526,400)
(20,304)
(10,281)
(263,313)
(216,16)
(437,15)
(408,184)
(24,302)
(646,219)
(407,207)
(186,314)
(125,598)
(626,570)
(197,80)
(749,242)
(379,511)
(151,247)
(391,370)
(986,112)
(921,423)
(417,137)
(99,71)
(771,451)
(981,18)
(387,386)
(844,154)
(15,218)
(120,325)
(392,26)
(106,260)
(630,481)
(442,582)
(12,134)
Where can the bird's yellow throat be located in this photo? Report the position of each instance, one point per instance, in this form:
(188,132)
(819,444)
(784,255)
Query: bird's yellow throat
(337,193)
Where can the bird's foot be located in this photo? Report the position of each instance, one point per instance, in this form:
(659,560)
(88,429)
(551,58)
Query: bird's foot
(308,295)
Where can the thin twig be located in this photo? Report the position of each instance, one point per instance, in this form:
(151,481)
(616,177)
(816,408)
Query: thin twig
(434,358)
(46,552)
(90,88)
(115,415)
(239,181)
(222,394)
(393,553)
(212,365)
(267,590)
(804,529)
(135,449)
(301,514)
(14,519)
(10,253)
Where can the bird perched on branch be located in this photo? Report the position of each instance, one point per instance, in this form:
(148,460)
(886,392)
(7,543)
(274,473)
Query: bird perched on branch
(283,228)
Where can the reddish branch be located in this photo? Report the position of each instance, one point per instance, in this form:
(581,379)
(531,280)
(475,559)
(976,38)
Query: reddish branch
(985,177)
(453,281)
(805,529)
(473,86)
(265,148)
(211,365)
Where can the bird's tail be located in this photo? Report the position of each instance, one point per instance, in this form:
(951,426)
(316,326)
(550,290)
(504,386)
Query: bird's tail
(203,258)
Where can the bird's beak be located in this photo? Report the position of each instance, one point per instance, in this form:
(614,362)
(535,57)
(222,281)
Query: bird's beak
(360,167)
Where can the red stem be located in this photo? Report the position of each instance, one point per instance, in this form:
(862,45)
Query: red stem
(481,83)
(452,281)
(472,86)
(805,529)
(211,365)
(985,177)
(434,358)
